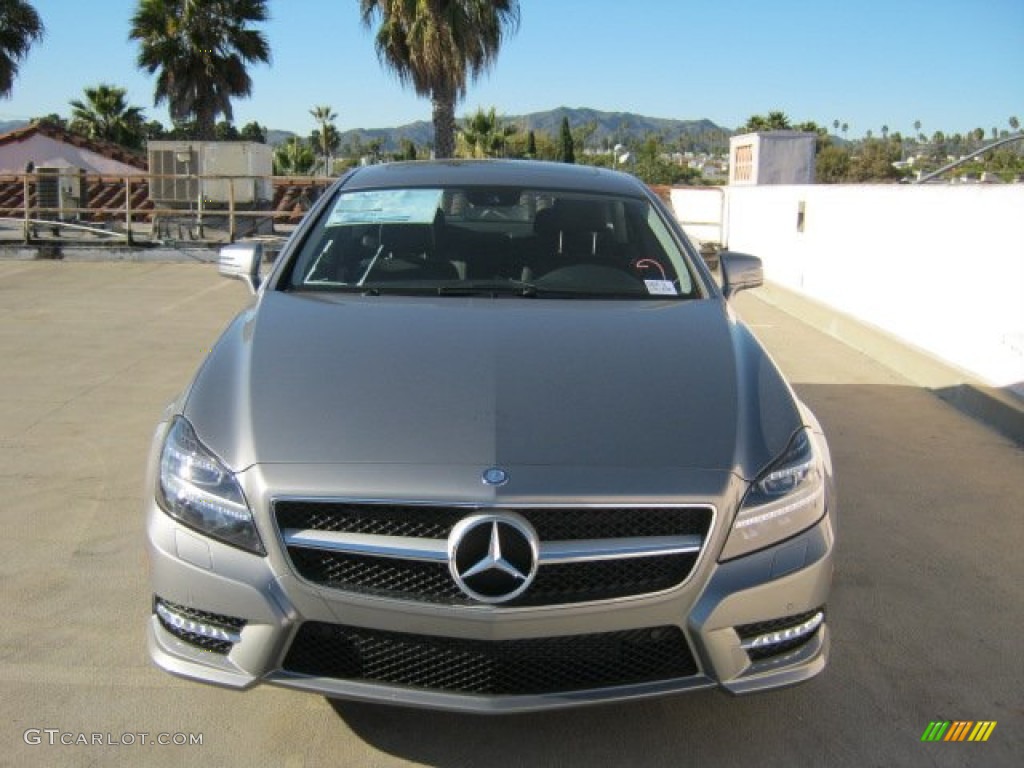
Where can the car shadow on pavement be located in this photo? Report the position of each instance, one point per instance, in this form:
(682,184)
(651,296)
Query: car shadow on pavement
(652,732)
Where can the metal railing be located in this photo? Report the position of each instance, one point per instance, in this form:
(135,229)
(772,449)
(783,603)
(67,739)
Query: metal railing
(967,158)
(120,209)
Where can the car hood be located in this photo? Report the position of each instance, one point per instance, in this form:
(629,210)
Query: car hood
(510,382)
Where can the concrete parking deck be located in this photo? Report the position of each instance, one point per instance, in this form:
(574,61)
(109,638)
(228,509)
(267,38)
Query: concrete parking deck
(925,614)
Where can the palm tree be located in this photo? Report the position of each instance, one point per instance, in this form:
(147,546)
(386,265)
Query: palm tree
(326,137)
(775,121)
(293,158)
(754,124)
(484,134)
(325,141)
(201,49)
(20,26)
(437,46)
(105,114)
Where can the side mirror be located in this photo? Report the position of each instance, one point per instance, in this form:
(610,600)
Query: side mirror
(740,271)
(241,261)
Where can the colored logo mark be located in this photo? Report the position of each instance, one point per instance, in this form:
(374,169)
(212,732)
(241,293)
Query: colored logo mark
(958,730)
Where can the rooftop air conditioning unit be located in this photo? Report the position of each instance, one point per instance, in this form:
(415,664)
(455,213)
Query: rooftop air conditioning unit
(61,190)
(210,172)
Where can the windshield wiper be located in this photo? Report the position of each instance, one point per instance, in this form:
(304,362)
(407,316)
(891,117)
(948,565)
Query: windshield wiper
(488,288)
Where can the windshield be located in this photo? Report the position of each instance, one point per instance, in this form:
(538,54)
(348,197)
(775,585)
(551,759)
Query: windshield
(491,241)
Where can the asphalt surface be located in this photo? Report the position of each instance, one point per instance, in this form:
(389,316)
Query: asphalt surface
(926,612)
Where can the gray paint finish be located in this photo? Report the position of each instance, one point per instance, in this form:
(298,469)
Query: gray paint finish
(408,380)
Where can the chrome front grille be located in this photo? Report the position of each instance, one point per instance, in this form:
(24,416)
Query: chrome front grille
(400,551)
(436,522)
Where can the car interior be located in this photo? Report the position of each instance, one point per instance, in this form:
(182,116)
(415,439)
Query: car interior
(564,243)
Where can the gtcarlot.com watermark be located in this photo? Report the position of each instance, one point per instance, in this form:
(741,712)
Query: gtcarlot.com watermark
(55,737)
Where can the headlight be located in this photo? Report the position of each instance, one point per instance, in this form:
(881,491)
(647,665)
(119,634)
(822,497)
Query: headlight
(787,499)
(200,492)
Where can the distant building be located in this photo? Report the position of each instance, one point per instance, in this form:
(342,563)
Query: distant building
(72,165)
(772,157)
(48,146)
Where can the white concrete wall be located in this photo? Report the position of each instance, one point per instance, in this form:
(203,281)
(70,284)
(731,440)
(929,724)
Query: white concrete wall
(701,211)
(941,267)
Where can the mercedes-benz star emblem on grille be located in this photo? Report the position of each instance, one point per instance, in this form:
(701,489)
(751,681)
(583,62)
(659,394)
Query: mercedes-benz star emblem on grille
(495,476)
(493,557)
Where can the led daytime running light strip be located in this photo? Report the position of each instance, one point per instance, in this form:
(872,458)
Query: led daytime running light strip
(771,514)
(183,624)
(189,493)
(784,635)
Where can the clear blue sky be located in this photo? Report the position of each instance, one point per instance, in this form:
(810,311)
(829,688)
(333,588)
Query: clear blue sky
(952,64)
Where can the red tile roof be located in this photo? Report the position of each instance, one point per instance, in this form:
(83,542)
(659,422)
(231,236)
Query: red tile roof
(105,148)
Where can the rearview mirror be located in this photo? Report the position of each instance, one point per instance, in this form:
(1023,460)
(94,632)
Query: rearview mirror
(740,271)
(241,261)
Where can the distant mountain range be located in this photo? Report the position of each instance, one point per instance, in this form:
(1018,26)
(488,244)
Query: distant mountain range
(613,126)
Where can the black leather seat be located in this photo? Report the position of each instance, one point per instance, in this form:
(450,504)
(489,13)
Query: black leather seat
(567,233)
(407,252)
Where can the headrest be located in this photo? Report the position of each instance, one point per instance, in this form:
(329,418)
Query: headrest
(579,215)
(546,222)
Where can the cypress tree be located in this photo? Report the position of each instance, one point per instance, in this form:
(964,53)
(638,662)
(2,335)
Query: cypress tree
(566,151)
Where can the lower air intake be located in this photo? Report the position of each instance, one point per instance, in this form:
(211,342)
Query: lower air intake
(495,668)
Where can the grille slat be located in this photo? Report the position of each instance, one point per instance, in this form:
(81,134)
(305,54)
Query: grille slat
(501,667)
(555,584)
(551,524)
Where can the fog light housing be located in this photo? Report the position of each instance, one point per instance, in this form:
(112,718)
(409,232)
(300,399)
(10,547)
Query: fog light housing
(770,638)
(207,631)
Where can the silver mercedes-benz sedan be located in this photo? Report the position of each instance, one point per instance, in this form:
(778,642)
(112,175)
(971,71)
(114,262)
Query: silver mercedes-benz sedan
(489,438)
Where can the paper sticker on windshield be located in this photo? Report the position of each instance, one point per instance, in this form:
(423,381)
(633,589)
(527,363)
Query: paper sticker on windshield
(661,287)
(382,206)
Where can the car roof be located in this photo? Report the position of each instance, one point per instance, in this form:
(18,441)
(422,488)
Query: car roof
(503,173)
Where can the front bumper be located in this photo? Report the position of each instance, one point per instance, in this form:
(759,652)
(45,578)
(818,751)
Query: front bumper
(269,606)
